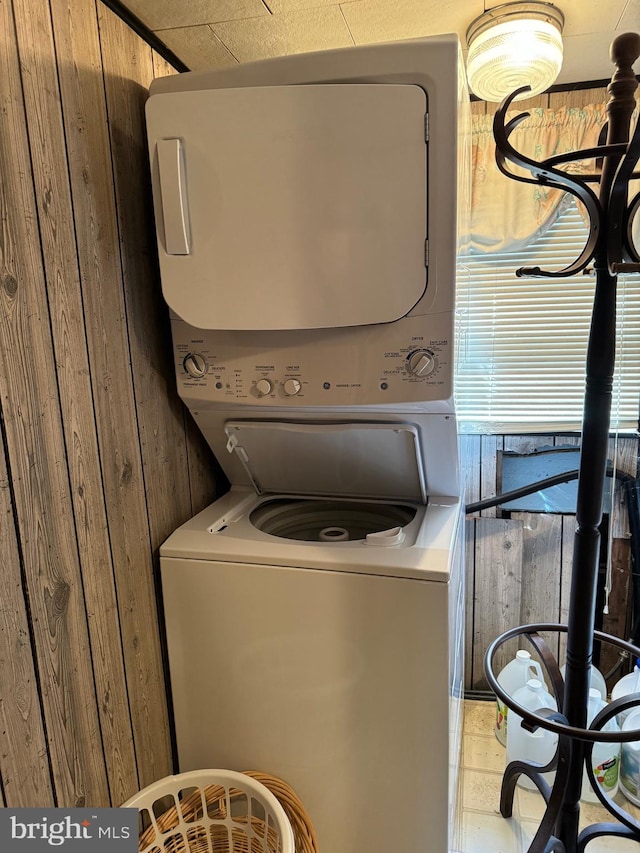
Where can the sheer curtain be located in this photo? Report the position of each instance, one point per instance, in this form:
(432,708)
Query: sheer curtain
(506,215)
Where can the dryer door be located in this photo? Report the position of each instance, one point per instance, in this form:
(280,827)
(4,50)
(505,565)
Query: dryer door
(290,207)
(363,460)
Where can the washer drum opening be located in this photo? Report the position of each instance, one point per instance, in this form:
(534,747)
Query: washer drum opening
(328,520)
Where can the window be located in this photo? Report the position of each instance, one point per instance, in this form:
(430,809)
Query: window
(522,341)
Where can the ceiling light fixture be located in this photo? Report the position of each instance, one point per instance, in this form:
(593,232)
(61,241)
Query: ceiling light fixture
(514,45)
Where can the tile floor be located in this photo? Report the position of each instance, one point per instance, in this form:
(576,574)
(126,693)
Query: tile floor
(480,828)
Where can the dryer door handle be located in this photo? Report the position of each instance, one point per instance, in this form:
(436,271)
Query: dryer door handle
(173,196)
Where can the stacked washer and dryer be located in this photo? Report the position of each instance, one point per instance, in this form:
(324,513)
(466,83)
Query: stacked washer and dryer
(307,215)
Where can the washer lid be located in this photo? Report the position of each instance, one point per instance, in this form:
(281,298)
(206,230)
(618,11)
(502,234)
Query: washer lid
(365,460)
(290,207)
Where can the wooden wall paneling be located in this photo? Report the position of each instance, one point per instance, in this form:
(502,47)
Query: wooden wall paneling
(616,621)
(161,415)
(92,185)
(48,154)
(538,102)
(527,443)
(489,486)
(497,594)
(567,440)
(623,452)
(35,443)
(469,452)
(25,774)
(579,97)
(568,534)
(470,550)
(541,569)
(161,68)
(207,480)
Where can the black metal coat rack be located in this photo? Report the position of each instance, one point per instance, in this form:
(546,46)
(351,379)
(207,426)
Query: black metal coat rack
(610,247)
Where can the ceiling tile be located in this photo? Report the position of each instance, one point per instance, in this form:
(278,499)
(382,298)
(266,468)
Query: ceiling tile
(387,20)
(198,47)
(280,6)
(278,35)
(161,14)
(630,20)
(295,26)
(581,17)
(586,57)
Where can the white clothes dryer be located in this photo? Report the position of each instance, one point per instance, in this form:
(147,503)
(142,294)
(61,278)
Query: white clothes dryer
(307,212)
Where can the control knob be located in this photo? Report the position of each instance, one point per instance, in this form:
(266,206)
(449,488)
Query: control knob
(292,387)
(195,364)
(421,363)
(263,387)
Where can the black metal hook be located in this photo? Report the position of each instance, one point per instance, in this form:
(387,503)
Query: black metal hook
(622,255)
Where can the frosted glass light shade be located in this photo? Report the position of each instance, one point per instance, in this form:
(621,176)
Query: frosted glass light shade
(514,45)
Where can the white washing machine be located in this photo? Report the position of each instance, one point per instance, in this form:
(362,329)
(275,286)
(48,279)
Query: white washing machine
(307,212)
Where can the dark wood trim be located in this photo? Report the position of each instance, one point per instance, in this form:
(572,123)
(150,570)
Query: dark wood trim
(145,33)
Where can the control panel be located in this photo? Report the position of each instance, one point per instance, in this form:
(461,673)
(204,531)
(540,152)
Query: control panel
(403,362)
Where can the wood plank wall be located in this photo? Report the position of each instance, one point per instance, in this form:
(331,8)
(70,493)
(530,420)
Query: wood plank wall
(98,460)
(518,564)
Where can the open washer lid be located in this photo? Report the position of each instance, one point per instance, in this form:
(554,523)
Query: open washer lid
(357,460)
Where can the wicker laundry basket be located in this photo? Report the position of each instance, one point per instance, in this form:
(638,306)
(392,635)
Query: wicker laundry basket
(304,835)
(222,811)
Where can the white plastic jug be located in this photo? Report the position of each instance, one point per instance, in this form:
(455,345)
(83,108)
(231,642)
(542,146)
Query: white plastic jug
(514,675)
(630,761)
(596,680)
(629,684)
(538,746)
(605,757)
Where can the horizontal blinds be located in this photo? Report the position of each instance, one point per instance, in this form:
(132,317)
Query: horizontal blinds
(522,341)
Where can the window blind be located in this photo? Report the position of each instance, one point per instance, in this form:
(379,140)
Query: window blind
(522,341)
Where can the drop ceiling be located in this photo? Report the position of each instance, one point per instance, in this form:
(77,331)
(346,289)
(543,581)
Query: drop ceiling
(218,33)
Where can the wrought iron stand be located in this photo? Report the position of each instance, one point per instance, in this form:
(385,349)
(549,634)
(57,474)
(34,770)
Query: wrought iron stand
(610,247)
